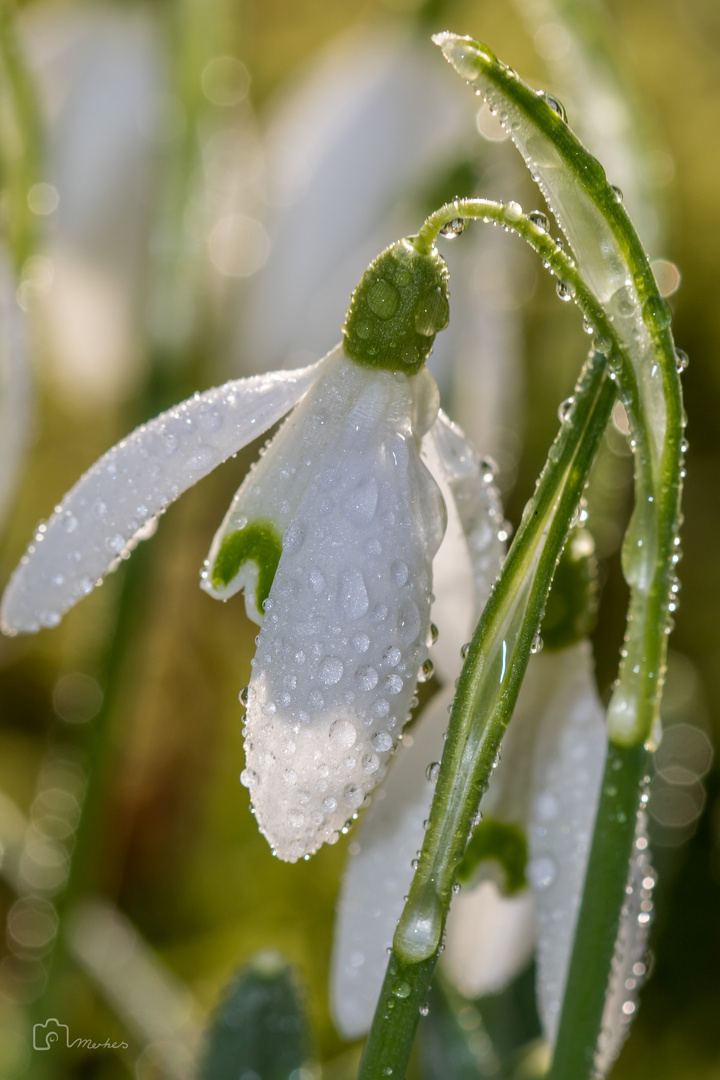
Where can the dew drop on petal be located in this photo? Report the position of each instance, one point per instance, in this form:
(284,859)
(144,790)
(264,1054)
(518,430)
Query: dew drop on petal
(382,741)
(353,796)
(542,872)
(342,733)
(366,678)
(330,670)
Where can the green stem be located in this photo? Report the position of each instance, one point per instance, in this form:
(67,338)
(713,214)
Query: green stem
(487,691)
(599,917)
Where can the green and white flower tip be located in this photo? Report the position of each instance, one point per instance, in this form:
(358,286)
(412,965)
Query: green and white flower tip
(332,536)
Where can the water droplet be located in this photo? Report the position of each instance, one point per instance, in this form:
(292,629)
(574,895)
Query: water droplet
(361,643)
(329,804)
(342,733)
(401,988)
(399,572)
(383,299)
(488,470)
(454,228)
(330,670)
(432,772)
(656,311)
(557,107)
(424,1009)
(565,409)
(382,741)
(513,211)
(70,523)
(244,696)
(465,649)
(565,290)
(539,220)
(392,685)
(115,543)
(371,763)
(456,887)
(432,313)
(408,623)
(353,796)
(542,872)
(537,644)
(361,504)
(99,510)
(617,192)
(289,778)
(426,671)
(354,600)
(434,633)
(248,778)
(392,656)
(380,708)
(681,361)
(366,678)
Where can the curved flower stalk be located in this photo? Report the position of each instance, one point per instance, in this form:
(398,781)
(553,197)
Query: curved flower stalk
(647,369)
(332,535)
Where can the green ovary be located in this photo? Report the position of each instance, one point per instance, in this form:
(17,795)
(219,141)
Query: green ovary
(506,844)
(258,542)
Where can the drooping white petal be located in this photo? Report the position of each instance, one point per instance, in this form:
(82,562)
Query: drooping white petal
(630,960)
(490,938)
(470,556)
(105,513)
(378,874)
(346,621)
(569,762)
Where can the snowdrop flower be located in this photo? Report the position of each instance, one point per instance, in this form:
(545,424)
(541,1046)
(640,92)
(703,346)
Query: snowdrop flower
(532,844)
(331,535)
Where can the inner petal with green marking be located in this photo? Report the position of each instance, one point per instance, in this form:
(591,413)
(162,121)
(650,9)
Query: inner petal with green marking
(259,542)
(505,844)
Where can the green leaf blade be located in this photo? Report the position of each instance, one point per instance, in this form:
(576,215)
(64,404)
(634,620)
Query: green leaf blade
(258,1028)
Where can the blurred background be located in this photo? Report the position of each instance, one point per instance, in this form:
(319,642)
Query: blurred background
(190,190)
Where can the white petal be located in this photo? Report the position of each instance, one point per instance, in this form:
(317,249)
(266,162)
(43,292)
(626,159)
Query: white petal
(630,959)
(346,621)
(276,484)
(569,762)
(379,874)
(470,556)
(490,938)
(104,515)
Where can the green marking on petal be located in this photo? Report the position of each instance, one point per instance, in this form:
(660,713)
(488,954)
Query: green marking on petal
(506,844)
(397,309)
(571,609)
(258,542)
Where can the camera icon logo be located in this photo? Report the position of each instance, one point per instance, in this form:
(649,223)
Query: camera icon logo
(52,1031)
